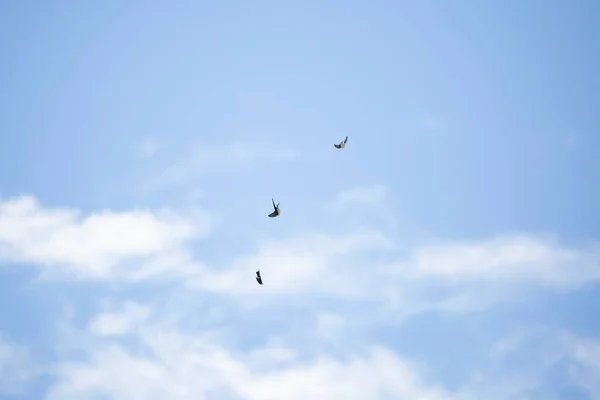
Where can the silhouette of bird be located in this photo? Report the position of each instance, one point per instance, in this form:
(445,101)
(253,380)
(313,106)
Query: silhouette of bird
(277,210)
(258,277)
(342,144)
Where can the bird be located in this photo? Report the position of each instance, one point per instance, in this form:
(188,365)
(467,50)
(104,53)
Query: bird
(342,144)
(258,278)
(277,210)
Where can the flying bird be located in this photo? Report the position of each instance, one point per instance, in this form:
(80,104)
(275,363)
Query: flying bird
(277,211)
(342,144)
(258,278)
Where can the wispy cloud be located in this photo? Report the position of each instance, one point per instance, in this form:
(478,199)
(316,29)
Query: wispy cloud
(121,322)
(16,367)
(308,263)
(185,366)
(536,362)
(136,244)
(506,259)
(366,281)
(169,361)
(148,148)
(202,160)
(365,195)
(329,326)
(475,275)
(586,369)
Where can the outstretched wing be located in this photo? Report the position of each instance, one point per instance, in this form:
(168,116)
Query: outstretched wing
(273,214)
(274,206)
(337,146)
(345,140)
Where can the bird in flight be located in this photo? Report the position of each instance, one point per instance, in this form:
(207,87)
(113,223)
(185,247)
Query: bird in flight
(258,277)
(277,211)
(342,144)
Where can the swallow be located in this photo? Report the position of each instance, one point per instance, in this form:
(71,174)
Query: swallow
(342,144)
(258,278)
(277,211)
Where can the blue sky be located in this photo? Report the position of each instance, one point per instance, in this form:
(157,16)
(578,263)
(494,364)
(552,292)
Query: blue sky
(449,252)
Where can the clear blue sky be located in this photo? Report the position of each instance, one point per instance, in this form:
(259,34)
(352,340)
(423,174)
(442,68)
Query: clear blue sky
(458,231)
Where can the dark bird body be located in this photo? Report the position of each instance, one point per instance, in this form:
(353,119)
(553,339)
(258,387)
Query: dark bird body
(342,144)
(277,210)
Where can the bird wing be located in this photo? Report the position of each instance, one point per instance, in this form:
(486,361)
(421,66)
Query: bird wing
(345,140)
(273,214)
(274,206)
(259,280)
(337,146)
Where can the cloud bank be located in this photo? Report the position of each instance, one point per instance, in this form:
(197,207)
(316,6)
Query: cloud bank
(307,333)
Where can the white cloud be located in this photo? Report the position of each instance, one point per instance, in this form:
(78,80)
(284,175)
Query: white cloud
(330,326)
(540,352)
(139,244)
(166,362)
(360,266)
(99,245)
(16,369)
(309,263)
(355,268)
(119,323)
(505,259)
(587,351)
(586,371)
(506,345)
(174,365)
(274,353)
(366,195)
